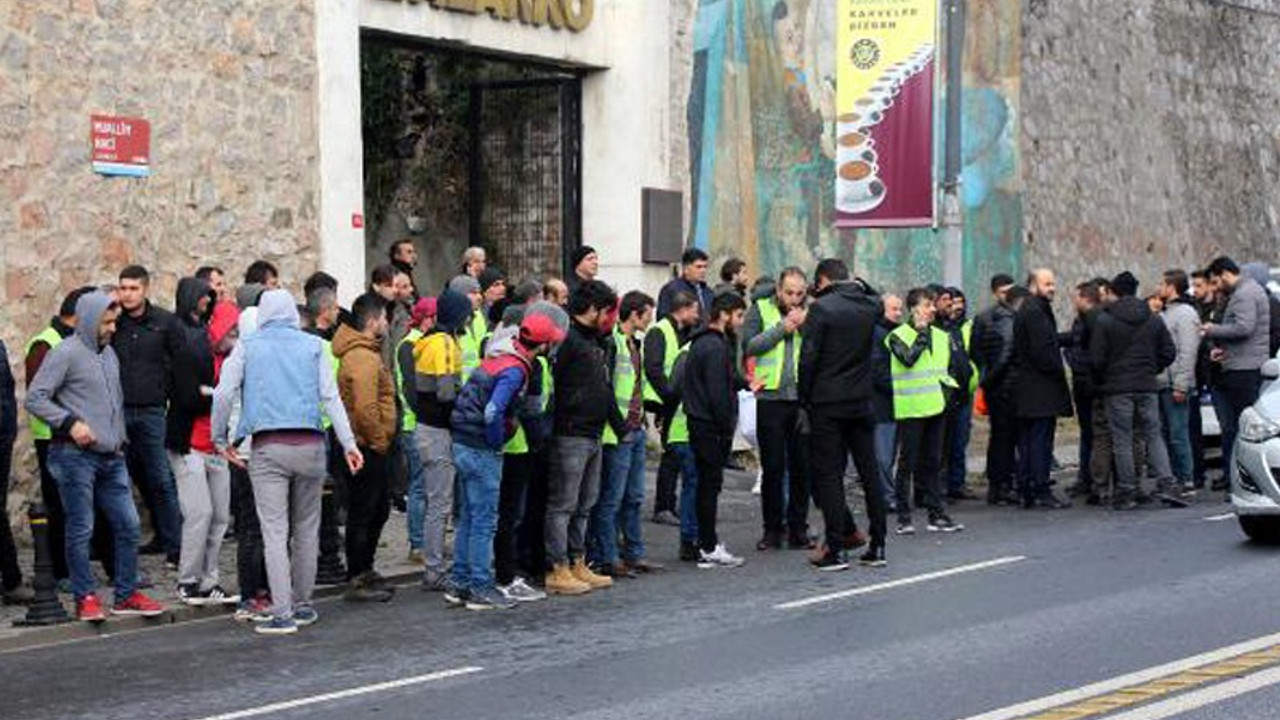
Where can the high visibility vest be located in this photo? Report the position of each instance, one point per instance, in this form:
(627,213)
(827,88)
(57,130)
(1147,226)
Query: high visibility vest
(966,333)
(472,342)
(40,429)
(917,390)
(519,442)
(326,351)
(409,421)
(678,432)
(624,382)
(769,366)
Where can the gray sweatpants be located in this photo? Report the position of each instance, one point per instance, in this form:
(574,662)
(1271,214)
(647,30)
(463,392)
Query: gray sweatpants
(204,496)
(287,481)
(435,448)
(573,487)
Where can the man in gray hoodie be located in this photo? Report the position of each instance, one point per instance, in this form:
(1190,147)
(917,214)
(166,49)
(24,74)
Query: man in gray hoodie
(1241,344)
(77,392)
(1177,383)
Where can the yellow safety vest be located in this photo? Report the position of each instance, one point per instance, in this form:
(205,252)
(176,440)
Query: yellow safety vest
(679,430)
(917,390)
(519,442)
(769,365)
(624,382)
(966,333)
(326,349)
(472,341)
(409,422)
(40,429)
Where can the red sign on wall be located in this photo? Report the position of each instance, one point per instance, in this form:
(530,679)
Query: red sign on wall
(121,145)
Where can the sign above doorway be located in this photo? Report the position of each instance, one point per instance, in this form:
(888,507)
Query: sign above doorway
(572,15)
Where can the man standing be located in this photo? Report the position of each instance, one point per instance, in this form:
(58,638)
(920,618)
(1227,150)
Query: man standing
(835,388)
(711,383)
(1177,383)
(285,385)
(473,261)
(493,291)
(993,338)
(1129,347)
(421,322)
(584,266)
(693,280)
(368,394)
(12,589)
(217,281)
(584,404)
(922,363)
(145,344)
(886,431)
(1241,344)
(1040,390)
(1087,302)
(262,272)
(473,331)
(733,277)
(404,256)
(662,345)
(773,341)
(555,292)
(78,394)
(622,484)
(1209,309)
(960,406)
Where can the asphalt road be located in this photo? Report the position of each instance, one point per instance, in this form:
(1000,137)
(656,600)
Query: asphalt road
(1036,604)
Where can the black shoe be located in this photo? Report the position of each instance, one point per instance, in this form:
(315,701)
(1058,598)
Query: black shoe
(772,540)
(1049,501)
(962,494)
(1172,499)
(1093,500)
(801,541)
(689,552)
(873,557)
(152,548)
(1143,498)
(830,562)
(171,561)
(1124,504)
(618,572)
(943,524)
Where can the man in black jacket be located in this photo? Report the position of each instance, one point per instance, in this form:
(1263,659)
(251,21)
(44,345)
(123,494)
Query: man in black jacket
(1040,391)
(658,362)
(146,340)
(993,350)
(1130,345)
(835,389)
(584,402)
(693,280)
(1087,302)
(711,382)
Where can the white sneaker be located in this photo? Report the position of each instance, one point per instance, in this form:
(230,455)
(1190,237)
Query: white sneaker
(521,591)
(720,557)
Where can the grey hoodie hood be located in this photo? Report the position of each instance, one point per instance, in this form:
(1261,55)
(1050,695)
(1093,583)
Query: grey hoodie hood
(277,309)
(89,310)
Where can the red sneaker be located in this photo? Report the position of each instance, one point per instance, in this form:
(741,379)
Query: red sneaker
(89,609)
(138,604)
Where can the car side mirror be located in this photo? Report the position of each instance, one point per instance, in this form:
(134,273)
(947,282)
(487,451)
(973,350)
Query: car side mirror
(1271,369)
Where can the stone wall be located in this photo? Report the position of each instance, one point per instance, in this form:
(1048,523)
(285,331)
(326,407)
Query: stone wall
(229,89)
(1150,134)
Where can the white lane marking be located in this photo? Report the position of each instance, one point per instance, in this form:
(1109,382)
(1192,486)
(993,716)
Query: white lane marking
(343,694)
(1220,518)
(1139,677)
(1199,698)
(901,582)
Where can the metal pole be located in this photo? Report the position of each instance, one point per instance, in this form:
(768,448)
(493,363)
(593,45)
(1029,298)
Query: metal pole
(952,212)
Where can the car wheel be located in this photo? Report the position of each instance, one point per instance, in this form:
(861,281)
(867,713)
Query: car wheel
(1261,529)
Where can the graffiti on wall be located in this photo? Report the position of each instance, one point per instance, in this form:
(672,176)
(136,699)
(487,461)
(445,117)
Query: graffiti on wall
(762,125)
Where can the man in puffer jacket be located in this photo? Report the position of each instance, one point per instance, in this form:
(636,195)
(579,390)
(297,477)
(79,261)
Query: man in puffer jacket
(1129,347)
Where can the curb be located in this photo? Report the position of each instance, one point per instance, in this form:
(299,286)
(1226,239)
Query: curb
(177,614)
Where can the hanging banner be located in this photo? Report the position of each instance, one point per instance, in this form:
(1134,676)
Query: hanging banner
(885,95)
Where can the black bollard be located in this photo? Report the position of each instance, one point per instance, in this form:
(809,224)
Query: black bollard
(46,608)
(330,570)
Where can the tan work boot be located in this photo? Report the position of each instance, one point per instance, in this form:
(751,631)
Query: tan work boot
(584,574)
(561,581)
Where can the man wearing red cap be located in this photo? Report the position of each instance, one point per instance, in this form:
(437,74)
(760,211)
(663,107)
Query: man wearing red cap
(484,419)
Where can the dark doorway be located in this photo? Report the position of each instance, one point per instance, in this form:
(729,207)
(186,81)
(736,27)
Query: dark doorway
(466,149)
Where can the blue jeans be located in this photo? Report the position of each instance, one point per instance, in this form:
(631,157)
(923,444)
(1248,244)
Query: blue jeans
(621,495)
(148,464)
(959,428)
(479,481)
(886,439)
(688,492)
(417,501)
(1177,425)
(84,479)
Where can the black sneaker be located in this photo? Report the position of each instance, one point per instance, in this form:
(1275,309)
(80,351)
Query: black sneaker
(1172,499)
(455,596)
(830,562)
(190,595)
(801,541)
(772,540)
(689,552)
(873,557)
(944,524)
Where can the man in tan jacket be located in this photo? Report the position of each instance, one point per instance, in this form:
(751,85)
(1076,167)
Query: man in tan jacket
(368,393)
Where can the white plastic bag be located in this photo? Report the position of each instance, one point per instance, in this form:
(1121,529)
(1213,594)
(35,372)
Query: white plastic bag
(747,417)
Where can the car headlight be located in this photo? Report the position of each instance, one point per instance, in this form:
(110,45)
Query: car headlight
(1256,428)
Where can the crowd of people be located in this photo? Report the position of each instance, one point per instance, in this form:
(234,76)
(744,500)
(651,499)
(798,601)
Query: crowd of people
(521,413)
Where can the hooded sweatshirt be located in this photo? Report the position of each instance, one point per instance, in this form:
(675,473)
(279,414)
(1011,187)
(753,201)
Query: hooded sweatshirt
(367,389)
(486,412)
(80,380)
(191,367)
(224,319)
(1129,347)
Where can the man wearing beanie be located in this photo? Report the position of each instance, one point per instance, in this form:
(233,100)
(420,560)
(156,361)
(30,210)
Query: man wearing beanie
(471,339)
(436,379)
(1130,346)
(584,262)
(493,292)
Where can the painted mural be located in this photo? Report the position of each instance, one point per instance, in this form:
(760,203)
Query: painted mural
(762,144)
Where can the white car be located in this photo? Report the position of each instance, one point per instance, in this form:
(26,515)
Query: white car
(1255,492)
